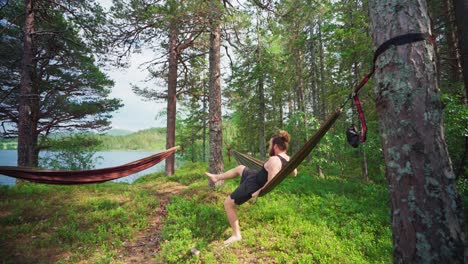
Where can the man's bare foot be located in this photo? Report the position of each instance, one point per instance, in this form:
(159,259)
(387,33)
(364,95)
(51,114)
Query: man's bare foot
(232,239)
(212,177)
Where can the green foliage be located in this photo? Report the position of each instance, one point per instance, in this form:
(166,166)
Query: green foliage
(456,131)
(8,143)
(75,152)
(71,224)
(147,139)
(190,224)
(72,92)
(305,220)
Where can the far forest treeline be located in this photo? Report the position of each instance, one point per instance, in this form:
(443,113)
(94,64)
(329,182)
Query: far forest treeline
(152,139)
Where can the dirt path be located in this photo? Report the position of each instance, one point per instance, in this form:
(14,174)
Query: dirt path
(148,241)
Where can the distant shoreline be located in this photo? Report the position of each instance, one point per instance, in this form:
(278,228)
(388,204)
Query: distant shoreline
(116,140)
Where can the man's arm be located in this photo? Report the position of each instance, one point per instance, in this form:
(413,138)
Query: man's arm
(272,166)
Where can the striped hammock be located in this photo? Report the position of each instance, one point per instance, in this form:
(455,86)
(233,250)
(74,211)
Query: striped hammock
(85,176)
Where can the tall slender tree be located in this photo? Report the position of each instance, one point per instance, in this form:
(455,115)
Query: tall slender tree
(170,27)
(260,90)
(171,94)
(461,9)
(28,98)
(215,119)
(425,207)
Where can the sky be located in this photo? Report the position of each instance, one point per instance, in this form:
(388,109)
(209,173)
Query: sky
(136,114)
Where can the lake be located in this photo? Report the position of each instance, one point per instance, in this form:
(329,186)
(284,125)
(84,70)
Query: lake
(109,159)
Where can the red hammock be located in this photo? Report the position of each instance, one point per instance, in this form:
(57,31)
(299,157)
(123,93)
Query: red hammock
(86,176)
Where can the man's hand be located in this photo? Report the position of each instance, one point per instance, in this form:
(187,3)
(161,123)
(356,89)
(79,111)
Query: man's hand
(255,194)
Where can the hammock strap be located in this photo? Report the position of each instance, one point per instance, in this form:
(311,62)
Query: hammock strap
(395,41)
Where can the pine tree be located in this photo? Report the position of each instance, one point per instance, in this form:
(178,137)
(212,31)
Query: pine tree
(425,207)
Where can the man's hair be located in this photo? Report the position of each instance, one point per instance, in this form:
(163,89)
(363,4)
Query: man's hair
(281,139)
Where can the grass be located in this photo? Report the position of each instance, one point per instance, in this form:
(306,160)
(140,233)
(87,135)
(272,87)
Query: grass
(67,224)
(304,220)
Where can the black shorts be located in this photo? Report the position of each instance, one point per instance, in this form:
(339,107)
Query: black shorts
(247,187)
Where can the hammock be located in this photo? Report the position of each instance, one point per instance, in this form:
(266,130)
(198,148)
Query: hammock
(85,176)
(295,160)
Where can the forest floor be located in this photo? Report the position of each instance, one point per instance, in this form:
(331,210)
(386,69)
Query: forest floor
(146,243)
(179,219)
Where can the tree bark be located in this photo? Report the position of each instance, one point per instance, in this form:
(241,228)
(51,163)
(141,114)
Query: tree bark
(364,170)
(426,209)
(261,114)
(454,62)
(321,90)
(261,117)
(300,82)
(171,96)
(215,123)
(26,129)
(461,11)
(204,120)
(313,75)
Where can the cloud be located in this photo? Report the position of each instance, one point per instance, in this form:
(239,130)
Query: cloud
(136,114)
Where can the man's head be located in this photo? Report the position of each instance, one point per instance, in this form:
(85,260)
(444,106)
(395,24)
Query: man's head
(279,142)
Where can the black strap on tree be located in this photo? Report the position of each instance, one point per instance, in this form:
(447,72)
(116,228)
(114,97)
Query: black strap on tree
(395,41)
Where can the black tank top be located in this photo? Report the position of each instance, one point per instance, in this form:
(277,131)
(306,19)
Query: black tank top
(262,175)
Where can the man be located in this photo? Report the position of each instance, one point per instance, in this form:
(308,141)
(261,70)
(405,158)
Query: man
(252,181)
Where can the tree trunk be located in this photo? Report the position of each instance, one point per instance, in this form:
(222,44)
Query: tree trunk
(171,96)
(216,136)
(261,92)
(365,171)
(321,91)
(454,63)
(425,206)
(461,11)
(261,114)
(204,120)
(313,76)
(26,128)
(320,172)
(300,82)
(300,97)
(261,117)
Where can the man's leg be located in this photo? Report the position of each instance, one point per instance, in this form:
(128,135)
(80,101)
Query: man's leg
(231,213)
(232,173)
